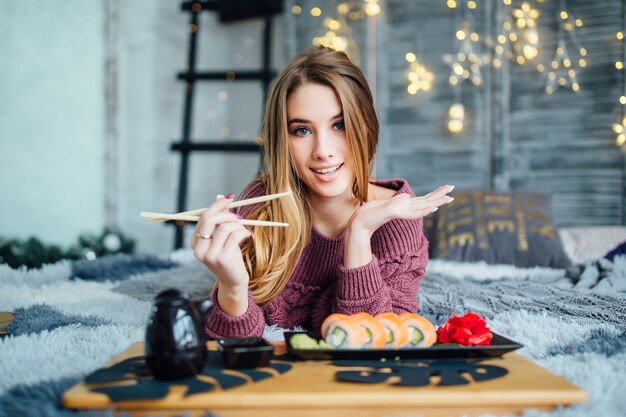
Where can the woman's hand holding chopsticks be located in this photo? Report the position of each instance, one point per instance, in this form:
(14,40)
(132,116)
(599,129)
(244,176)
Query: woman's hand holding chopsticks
(215,243)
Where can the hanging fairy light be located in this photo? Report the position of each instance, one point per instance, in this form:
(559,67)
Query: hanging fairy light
(419,76)
(525,37)
(620,130)
(331,40)
(336,33)
(456,117)
(338,36)
(501,45)
(357,10)
(465,65)
(371,8)
(619,64)
(562,71)
(525,16)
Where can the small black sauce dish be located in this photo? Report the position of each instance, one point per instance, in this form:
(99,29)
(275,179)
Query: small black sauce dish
(246,352)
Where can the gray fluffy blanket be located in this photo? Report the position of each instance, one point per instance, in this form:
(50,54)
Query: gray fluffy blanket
(72,317)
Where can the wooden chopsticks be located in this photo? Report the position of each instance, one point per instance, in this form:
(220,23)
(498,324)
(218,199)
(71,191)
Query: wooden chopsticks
(194,215)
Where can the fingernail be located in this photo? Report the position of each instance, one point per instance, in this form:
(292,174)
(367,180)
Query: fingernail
(450,199)
(229,196)
(451,188)
(219,196)
(239,217)
(435,209)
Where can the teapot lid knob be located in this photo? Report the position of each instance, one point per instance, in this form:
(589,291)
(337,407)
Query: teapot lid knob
(171,296)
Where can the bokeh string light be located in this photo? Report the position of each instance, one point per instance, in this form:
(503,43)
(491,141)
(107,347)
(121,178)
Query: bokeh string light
(419,76)
(562,70)
(331,39)
(372,8)
(338,36)
(336,32)
(465,65)
(501,45)
(619,64)
(456,117)
(358,9)
(523,34)
(619,128)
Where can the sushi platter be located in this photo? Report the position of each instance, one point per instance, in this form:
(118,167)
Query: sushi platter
(498,347)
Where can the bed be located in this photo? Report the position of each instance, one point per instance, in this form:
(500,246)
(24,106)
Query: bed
(72,317)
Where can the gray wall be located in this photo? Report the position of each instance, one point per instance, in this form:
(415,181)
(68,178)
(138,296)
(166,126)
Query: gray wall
(90,105)
(516,137)
(51,118)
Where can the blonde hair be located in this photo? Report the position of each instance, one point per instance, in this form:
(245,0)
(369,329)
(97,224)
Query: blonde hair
(273,252)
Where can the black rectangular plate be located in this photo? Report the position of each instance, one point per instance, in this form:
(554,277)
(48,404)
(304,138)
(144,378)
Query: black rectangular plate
(498,347)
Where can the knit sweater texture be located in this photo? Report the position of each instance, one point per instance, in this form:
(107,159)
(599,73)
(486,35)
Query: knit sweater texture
(320,285)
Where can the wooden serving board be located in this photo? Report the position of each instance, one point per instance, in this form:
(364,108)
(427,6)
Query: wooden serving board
(310,389)
(6,317)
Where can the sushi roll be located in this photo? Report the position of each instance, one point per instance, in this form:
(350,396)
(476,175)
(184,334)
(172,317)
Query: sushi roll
(374,333)
(345,333)
(422,333)
(330,320)
(396,329)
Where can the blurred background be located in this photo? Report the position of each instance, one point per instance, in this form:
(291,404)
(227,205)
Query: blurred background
(112,107)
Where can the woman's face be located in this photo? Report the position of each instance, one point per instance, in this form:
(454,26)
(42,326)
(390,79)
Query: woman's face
(318,144)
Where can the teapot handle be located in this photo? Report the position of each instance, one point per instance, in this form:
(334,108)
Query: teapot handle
(204,306)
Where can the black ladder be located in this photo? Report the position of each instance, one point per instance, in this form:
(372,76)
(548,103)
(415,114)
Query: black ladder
(229,11)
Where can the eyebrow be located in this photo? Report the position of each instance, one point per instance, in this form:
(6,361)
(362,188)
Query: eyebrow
(296,120)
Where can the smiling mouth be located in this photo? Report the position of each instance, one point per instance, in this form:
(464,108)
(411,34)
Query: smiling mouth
(327,170)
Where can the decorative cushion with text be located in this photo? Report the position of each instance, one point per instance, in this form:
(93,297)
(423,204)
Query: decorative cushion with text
(499,228)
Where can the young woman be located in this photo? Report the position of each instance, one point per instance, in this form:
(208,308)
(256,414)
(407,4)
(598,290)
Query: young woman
(353,244)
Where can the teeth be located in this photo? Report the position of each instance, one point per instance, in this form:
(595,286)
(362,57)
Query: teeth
(327,170)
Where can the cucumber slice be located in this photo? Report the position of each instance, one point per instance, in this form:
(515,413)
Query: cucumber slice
(416,335)
(368,336)
(338,337)
(389,336)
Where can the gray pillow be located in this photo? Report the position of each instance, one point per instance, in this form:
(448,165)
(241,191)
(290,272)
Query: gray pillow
(499,228)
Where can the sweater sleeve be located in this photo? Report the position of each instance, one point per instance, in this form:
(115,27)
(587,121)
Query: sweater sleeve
(219,324)
(390,282)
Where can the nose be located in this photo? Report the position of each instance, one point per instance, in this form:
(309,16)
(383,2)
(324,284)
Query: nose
(323,147)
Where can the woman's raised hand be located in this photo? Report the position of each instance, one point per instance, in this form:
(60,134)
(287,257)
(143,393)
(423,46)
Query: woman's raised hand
(215,243)
(373,214)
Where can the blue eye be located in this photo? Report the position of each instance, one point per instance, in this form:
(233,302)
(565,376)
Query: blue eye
(339,125)
(300,131)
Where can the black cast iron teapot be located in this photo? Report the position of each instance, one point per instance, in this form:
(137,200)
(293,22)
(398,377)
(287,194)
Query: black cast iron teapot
(175,345)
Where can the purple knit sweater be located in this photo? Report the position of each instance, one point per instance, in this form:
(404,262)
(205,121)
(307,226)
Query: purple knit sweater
(321,285)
